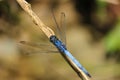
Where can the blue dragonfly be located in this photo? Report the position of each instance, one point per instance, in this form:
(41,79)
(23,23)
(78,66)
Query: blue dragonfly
(61,47)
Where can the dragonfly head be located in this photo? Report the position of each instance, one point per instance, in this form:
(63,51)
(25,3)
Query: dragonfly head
(53,38)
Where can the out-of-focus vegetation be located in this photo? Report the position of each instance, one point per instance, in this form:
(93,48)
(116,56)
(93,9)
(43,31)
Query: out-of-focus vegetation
(112,42)
(93,37)
(8,14)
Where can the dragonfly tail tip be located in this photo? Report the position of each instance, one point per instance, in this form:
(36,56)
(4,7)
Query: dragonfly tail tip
(89,75)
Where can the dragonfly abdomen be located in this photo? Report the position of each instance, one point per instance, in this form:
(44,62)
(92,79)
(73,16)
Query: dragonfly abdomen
(68,56)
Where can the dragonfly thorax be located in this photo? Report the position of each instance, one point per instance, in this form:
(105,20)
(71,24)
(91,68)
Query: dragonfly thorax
(60,46)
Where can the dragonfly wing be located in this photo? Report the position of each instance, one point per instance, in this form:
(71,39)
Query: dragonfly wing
(36,48)
(60,29)
(38,45)
(36,52)
(63,27)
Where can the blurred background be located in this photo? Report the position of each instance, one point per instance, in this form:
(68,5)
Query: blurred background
(92,30)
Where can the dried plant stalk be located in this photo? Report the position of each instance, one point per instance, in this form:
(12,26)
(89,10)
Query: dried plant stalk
(27,8)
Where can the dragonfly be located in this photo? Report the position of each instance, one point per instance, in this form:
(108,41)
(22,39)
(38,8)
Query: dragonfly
(62,49)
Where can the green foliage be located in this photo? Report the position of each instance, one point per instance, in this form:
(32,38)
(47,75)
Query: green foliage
(112,40)
(112,43)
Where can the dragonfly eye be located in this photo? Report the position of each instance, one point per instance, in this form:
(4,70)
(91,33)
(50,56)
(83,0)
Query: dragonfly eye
(53,38)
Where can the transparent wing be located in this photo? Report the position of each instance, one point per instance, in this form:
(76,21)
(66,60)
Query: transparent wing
(63,27)
(31,48)
(60,29)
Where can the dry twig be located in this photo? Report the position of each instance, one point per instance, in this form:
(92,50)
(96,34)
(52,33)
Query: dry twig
(27,7)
